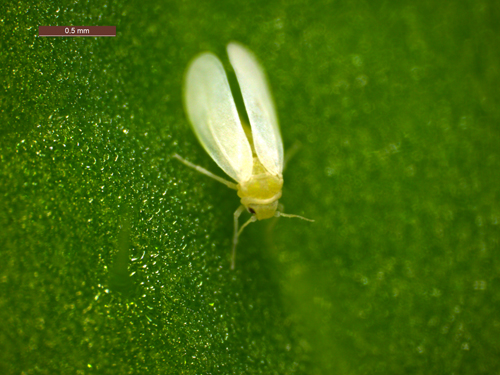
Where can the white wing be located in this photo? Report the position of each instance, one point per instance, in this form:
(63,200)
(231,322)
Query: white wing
(213,115)
(260,107)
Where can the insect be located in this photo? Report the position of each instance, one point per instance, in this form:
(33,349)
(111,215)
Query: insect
(252,157)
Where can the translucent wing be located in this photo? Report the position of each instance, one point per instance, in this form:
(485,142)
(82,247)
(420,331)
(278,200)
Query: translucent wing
(260,107)
(213,115)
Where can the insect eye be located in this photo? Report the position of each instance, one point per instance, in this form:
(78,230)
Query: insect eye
(251,210)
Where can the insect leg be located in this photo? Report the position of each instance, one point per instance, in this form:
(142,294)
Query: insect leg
(229,184)
(237,214)
(291,153)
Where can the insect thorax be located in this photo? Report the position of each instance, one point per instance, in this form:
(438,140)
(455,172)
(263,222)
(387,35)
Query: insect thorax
(261,192)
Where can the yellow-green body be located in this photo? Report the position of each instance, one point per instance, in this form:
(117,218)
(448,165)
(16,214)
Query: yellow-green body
(260,194)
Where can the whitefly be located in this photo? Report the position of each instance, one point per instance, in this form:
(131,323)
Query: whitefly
(253,157)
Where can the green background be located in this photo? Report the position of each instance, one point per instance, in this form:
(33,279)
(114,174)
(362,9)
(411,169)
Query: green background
(115,258)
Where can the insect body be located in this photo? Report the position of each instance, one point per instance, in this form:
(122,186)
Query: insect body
(253,158)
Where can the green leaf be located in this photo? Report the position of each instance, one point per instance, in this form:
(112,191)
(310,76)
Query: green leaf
(115,257)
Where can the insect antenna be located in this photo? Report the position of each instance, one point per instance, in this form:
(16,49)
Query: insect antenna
(278,214)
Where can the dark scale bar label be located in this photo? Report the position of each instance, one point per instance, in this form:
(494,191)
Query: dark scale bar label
(77,31)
